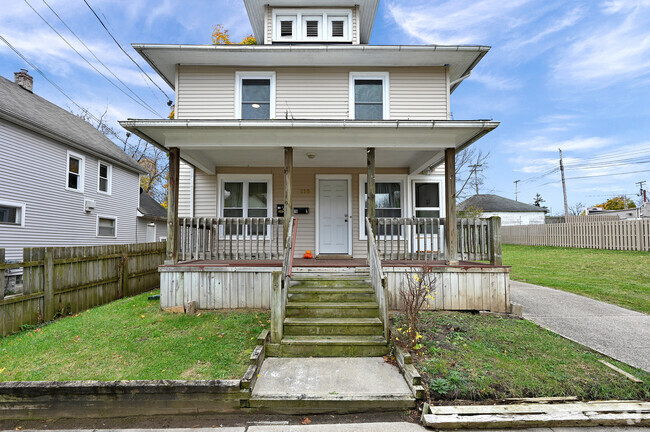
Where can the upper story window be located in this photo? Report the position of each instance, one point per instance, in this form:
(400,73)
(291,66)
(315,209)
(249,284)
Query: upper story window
(12,213)
(75,172)
(255,99)
(369,96)
(104,174)
(311,25)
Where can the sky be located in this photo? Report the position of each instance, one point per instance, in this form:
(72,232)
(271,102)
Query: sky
(561,74)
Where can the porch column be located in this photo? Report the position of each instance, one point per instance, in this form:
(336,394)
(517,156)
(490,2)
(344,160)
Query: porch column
(451,236)
(288,182)
(372,204)
(172,205)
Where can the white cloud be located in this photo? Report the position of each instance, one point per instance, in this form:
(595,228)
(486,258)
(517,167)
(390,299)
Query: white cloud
(495,82)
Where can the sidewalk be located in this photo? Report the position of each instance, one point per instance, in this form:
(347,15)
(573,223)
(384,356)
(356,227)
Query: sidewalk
(612,330)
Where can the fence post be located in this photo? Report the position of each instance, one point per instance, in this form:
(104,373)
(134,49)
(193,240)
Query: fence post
(48,284)
(124,272)
(276,308)
(2,275)
(495,241)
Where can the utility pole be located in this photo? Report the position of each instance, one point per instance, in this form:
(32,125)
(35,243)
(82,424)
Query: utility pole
(566,205)
(516,188)
(476,169)
(642,191)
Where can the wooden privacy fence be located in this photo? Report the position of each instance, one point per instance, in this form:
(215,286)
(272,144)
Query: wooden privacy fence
(231,238)
(73,279)
(613,235)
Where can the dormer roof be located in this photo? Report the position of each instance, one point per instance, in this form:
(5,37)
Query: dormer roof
(367,10)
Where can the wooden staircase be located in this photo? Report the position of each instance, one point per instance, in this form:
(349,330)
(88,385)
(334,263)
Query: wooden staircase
(331,314)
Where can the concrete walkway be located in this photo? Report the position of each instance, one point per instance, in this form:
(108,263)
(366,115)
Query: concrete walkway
(612,330)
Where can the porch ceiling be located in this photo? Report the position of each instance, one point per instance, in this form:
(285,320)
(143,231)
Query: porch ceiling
(210,143)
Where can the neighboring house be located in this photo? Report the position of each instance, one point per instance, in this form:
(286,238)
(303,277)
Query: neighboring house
(62,182)
(642,212)
(152,220)
(510,211)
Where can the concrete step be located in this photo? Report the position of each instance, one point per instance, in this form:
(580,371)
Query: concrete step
(332,295)
(331,404)
(329,346)
(332,309)
(333,326)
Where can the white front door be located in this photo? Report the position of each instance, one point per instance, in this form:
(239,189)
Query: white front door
(333,217)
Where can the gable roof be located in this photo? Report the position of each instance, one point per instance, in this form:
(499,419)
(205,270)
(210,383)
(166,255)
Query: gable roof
(31,111)
(149,207)
(495,203)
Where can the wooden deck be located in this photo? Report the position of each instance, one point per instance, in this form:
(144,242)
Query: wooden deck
(326,263)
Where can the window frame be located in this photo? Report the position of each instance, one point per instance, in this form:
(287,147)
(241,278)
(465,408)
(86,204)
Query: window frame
(299,17)
(242,75)
(113,218)
(109,178)
(19,205)
(375,76)
(245,179)
(82,171)
(440,197)
(382,178)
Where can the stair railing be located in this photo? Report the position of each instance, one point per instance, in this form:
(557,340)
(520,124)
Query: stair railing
(281,283)
(377,278)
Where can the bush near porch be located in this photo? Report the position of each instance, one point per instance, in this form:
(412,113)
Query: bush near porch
(132,339)
(617,277)
(485,357)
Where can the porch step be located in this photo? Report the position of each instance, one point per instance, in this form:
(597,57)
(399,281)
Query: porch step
(329,346)
(327,282)
(333,326)
(337,294)
(332,309)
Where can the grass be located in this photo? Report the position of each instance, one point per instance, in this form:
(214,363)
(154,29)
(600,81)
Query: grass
(618,277)
(132,339)
(482,357)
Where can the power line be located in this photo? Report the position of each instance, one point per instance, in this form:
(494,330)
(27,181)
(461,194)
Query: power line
(598,175)
(93,54)
(145,105)
(124,51)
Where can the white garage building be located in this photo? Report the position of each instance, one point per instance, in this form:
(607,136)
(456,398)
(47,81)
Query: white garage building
(510,211)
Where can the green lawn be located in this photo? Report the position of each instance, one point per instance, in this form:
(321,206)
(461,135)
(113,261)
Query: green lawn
(618,277)
(133,339)
(482,357)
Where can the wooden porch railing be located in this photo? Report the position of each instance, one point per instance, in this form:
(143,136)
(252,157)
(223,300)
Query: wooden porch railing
(378,279)
(230,239)
(421,239)
(281,283)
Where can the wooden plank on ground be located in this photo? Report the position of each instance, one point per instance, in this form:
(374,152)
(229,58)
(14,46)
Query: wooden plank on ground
(622,372)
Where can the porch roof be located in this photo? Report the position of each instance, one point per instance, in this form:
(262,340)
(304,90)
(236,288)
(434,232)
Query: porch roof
(413,144)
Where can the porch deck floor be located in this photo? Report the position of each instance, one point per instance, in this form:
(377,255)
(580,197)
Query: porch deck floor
(323,263)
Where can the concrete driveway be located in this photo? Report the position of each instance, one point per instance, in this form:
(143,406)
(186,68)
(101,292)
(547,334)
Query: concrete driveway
(612,330)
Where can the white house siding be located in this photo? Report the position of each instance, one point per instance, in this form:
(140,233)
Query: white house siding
(33,171)
(207,92)
(517,218)
(141,229)
(186,188)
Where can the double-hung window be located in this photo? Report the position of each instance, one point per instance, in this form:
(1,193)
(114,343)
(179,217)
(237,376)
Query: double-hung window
(75,172)
(104,174)
(246,198)
(388,204)
(12,213)
(369,96)
(312,25)
(106,226)
(255,98)
(426,201)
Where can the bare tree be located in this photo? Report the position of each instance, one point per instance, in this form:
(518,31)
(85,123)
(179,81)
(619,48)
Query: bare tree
(577,209)
(471,163)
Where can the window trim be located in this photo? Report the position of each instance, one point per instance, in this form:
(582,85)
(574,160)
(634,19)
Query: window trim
(109,178)
(82,170)
(114,218)
(242,75)
(382,178)
(22,206)
(440,197)
(384,77)
(298,17)
(244,178)
(432,178)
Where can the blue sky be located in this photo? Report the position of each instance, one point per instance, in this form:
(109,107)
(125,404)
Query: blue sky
(561,73)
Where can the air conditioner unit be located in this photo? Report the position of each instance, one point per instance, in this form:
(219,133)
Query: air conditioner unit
(89,205)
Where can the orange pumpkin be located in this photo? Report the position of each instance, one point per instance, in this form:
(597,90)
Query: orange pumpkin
(308,255)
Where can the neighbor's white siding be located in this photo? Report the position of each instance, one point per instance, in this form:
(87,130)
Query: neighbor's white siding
(141,229)
(33,171)
(208,92)
(517,218)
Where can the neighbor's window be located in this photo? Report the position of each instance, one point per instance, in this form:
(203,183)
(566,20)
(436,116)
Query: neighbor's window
(368,94)
(75,169)
(106,227)
(12,213)
(427,201)
(104,181)
(246,199)
(388,201)
(255,96)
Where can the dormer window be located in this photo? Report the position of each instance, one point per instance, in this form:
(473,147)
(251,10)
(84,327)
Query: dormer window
(310,25)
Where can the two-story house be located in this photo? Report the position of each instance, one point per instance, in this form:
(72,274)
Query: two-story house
(306,142)
(62,183)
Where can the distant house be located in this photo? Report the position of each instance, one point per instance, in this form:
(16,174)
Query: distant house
(152,220)
(642,212)
(62,183)
(510,211)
